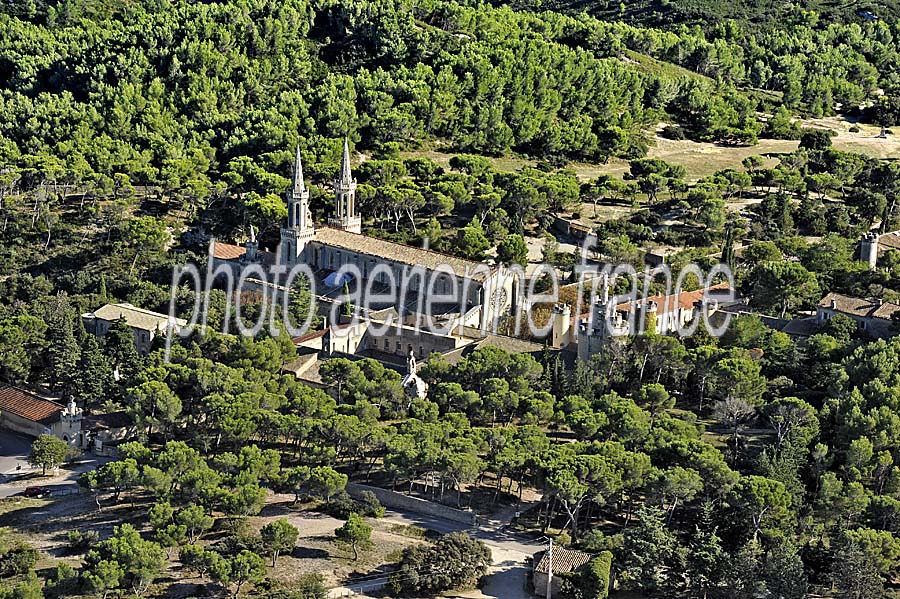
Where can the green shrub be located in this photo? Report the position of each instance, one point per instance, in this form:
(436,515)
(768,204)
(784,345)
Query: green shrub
(673,132)
(595,577)
(369,505)
(81,541)
(18,560)
(342,505)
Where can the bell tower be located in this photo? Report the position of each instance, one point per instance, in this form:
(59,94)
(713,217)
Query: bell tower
(345,216)
(299,229)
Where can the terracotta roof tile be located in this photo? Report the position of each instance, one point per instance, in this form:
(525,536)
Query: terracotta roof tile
(564,560)
(309,336)
(398,252)
(227,251)
(857,306)
(686,299)
(28,405)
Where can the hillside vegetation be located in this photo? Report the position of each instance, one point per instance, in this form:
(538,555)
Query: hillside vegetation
(703,12)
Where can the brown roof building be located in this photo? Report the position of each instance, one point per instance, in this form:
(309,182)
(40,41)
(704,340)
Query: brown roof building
(874,316)
(30,414)
(28,405)
(145,324)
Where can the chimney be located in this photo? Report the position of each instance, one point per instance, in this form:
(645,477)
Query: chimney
(834,304)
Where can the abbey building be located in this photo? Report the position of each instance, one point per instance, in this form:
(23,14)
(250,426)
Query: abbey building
(480,292)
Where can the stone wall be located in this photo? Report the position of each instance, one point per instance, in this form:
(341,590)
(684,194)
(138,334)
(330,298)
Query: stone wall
(22,425)
(399,501)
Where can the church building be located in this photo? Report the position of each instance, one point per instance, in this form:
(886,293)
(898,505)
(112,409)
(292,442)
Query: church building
(482,292)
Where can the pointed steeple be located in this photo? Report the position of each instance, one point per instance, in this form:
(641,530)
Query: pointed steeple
(345,216)
(298,229)
(346,176)
(299,185)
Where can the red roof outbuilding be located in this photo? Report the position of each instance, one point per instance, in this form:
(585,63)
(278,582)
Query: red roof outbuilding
(28,405)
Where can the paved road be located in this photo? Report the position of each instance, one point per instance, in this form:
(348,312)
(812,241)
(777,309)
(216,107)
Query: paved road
(14,450)
(508,574)
(16,473)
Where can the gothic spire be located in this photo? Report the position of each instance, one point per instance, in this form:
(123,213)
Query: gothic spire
(346,176)
(299,185)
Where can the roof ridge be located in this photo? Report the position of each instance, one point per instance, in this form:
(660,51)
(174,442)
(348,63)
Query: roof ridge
(29,392)
(411,247)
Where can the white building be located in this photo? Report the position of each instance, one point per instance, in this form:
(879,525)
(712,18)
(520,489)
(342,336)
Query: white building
(873,245)
(145,324)
(607,321)
(481,292)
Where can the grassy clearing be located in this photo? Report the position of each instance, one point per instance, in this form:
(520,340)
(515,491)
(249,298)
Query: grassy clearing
(666,70)
(702,159)
(408,530)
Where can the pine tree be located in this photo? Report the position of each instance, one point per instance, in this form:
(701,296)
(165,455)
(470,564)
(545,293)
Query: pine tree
(348,306)
(121,350)
(855,574)
(743,576)
(728,245)
(582,382)
(546,363)
(559,383)
(62,349)
(104,296)
(706,557)
(652,559)
(93,374)
(784,572)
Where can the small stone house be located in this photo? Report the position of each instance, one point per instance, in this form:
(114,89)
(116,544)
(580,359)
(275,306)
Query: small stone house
(564,561)
(103,432)
(145,324)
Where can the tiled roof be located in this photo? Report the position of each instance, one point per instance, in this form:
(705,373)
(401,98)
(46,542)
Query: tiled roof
(889,241)
(686,299)
(509,344)
(309,336)
(137,318)
(564,560)
(227,251)
(28,405)
(857,306)
(398,252)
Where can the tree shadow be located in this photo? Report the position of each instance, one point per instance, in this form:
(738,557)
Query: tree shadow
(310,553)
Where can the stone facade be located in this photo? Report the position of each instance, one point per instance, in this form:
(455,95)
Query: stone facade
(412,274)
(145,324)
(872,316)
(29,414)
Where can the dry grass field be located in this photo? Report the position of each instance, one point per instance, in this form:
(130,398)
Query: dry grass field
(701,159)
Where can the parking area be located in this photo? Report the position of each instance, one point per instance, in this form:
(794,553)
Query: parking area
(14,450)
(16,473)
